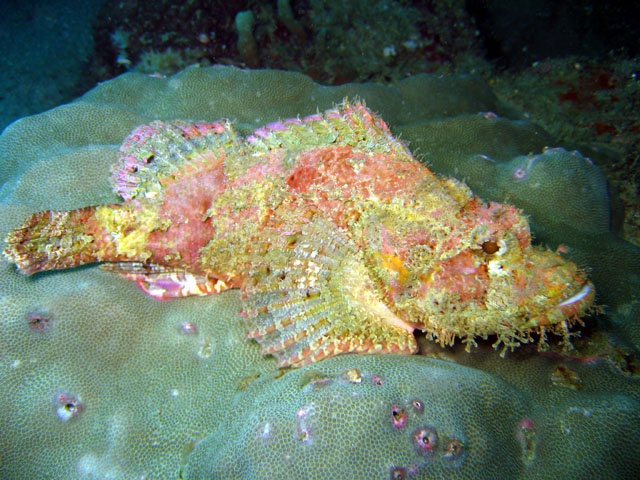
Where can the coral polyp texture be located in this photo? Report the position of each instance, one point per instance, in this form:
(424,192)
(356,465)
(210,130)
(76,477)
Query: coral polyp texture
(100,380)
(339,240)
(402,418)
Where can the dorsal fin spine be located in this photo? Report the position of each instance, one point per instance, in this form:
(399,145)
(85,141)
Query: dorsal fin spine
(161,149)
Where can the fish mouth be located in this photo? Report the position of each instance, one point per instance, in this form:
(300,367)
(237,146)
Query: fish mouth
(587,290)
(569,309)
(572,307)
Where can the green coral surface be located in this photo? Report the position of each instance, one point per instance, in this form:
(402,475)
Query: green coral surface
(99,381)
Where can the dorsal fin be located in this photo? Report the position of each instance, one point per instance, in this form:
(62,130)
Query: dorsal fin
(348,124)
(156,151)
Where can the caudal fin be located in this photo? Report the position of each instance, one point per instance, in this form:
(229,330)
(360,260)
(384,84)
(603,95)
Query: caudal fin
(54,240)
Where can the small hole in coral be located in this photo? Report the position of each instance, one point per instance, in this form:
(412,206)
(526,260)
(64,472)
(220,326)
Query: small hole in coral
(425,439)
(39,320)
(453,449)
(397,473)
(399,417)
(68,407)
(188,327)
(519,173)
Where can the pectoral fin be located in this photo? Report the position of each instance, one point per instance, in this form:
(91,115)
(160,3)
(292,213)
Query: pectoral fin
(316,299)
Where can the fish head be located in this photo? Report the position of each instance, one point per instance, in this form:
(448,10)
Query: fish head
(478,274)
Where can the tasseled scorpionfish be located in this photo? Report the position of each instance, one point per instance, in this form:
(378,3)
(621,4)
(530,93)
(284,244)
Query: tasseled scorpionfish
(339,240)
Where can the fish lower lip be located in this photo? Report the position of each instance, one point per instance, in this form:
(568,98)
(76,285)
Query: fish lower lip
(584,291)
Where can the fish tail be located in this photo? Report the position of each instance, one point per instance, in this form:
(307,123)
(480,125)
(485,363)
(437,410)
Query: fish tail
(54,239)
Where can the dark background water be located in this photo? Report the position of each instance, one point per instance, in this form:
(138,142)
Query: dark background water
(54,50)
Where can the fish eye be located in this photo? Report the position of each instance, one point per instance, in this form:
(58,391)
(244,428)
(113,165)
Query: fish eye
(490,247)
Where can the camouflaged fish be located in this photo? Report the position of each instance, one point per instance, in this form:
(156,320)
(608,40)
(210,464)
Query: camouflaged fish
(339,240)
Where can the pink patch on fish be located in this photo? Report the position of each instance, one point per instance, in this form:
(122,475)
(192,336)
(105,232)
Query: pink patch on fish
(276,127)
(203,128)
(262,132)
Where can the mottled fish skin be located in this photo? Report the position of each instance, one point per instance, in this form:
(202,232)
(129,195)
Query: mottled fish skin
(339,240)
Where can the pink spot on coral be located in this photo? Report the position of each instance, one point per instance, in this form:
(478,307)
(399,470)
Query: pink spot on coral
(39,320)
(525,424)
(376,380)
(304,432)
(489,115)
(526,435)
(188,327)
(519,173)
(417,405)
(425,439)
(397,473)
(67,406)
(525,431)
(398,416)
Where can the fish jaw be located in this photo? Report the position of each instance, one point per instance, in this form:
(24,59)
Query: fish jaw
(570,309)
(551,289)
(511,294)
(547,294)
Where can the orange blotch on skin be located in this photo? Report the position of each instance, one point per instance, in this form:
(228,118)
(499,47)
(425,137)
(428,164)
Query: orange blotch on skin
(394,263)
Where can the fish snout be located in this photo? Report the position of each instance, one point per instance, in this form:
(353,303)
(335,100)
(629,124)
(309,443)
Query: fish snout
(570,306)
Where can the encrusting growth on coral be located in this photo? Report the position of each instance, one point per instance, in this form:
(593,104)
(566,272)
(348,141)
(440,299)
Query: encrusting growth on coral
(245,23)
(339,240)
